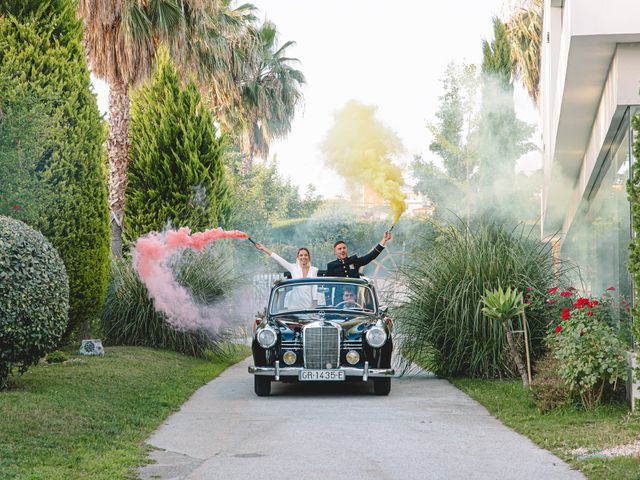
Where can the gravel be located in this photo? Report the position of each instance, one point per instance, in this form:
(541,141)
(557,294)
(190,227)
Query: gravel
(627,450)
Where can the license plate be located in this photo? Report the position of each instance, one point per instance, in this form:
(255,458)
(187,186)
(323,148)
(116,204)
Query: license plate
(321,375)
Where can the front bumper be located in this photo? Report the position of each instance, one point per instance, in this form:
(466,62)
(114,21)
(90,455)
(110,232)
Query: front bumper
(364,373)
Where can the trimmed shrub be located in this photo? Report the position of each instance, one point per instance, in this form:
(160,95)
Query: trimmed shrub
(445,282)
(57,356)
(43,60)
(176,170)
(548,388)
(129,317)
(34,292)
(23,137)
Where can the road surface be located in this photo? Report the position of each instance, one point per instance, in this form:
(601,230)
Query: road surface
(425,429)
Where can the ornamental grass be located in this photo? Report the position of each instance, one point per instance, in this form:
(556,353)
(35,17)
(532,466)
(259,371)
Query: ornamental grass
(441,323)
(129,316)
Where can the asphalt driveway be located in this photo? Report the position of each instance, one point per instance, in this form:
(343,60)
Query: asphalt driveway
(425,429)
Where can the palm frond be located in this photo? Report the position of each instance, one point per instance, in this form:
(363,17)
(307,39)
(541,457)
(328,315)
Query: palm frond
(524,29)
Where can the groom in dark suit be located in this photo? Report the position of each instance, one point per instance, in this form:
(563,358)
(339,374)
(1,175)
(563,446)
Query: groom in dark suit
(346,266)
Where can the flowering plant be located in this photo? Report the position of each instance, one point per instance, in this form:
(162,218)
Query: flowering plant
(590,354)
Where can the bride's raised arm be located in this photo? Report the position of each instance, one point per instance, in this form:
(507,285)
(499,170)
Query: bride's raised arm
(276,257)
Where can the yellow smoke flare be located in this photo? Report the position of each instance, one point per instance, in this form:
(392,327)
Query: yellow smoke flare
(360,148)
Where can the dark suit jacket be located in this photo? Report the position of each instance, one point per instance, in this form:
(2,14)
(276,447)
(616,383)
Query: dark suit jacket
(350,266)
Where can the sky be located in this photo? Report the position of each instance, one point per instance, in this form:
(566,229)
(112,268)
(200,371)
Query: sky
(391,54)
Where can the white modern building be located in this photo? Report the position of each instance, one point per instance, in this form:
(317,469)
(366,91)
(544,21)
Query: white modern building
(589,89)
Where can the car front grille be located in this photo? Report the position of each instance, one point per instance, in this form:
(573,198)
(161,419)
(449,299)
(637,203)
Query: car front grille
(321,346)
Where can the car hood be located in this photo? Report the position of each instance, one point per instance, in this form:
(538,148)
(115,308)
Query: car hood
(347,320)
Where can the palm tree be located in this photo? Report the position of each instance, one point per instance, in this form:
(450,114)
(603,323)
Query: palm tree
(270,94)
(121,38)
(524,29)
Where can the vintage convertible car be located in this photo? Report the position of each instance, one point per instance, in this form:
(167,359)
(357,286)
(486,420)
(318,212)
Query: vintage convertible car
(320,330)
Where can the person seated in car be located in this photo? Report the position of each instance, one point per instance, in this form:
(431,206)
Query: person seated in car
(349,266)
(348,299)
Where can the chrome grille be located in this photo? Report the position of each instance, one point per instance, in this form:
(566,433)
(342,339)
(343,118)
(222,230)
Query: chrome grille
(321,346)
(351,344)
(290,345)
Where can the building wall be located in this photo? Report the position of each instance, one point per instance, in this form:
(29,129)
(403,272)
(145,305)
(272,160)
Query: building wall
(589,88)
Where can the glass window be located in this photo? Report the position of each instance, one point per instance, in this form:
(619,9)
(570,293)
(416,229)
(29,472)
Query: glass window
(599,237)
(308,296)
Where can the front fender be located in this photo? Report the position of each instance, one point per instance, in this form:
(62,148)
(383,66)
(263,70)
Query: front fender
(264,357)
(379,357)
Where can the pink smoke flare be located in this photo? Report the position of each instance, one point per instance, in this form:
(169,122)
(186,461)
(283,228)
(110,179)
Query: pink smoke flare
(151,254)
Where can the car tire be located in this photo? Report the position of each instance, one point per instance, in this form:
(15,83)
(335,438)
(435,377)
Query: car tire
(262,385)
(382,386)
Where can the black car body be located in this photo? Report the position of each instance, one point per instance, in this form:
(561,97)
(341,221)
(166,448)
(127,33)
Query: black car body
(323,329)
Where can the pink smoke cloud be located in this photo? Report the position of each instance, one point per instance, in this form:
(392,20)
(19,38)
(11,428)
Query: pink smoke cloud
(151,254)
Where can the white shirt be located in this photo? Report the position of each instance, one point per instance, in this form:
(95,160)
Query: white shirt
(294,268)
(301,297)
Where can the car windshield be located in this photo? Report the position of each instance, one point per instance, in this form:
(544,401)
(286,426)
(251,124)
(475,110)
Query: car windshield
(310,296)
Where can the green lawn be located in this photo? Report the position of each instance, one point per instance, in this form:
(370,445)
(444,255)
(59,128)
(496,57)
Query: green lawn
(88,417)
(561,431)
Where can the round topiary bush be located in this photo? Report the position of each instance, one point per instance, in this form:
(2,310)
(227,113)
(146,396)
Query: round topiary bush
(34,297)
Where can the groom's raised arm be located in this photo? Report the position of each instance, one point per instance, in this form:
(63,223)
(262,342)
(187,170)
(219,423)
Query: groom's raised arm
(369,257)
(377,250)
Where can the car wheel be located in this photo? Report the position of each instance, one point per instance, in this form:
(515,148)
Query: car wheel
(381,386)
(262,385)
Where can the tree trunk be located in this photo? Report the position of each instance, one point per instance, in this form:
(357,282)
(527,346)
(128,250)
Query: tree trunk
(515,354)
(118,155)
(84,332)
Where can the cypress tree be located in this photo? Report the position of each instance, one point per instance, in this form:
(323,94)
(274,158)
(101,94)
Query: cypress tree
(42,59)
(176,168)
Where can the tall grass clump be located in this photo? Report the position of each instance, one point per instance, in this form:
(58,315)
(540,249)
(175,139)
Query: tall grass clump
(441,321)
(129,316)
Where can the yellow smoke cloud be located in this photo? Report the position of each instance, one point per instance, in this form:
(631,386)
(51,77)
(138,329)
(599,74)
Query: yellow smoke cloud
(360,148)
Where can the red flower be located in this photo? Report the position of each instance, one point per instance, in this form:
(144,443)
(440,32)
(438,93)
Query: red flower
(528,302)
(558,328)
(15,207)
(628,308)
(581,302)
(565,294)
(595,302)
(565,313)
(550,301)
(552,290)
(528,289)
(581,332)
(589,314)
(612,289)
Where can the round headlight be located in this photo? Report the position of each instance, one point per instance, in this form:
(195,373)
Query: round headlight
(289,357)
(267,337)
(353,357)
(376,337)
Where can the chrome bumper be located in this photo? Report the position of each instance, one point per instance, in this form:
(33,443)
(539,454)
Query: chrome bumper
(364,373)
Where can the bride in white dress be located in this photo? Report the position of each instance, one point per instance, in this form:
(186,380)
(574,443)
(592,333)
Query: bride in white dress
(299,297)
